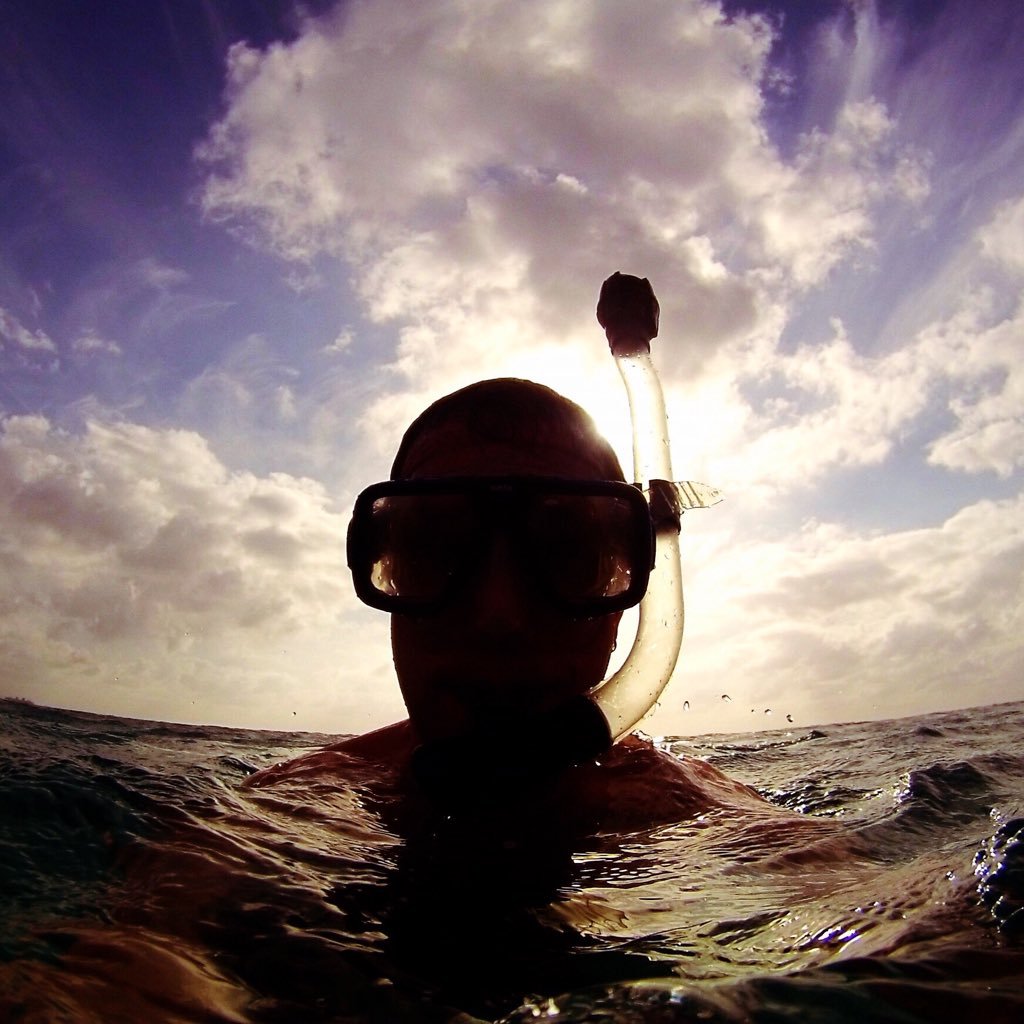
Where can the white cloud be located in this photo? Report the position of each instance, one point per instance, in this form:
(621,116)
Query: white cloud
(481,190)
(248,388)
(976,354)
(91,342)
(138,572)
(814,213)
(820,408)
(13,331)
(342,343)
(159,275)
(980,354)
(138,301)
(1000,239)
(839,625)
(783,420)
(482,166)
(284,402)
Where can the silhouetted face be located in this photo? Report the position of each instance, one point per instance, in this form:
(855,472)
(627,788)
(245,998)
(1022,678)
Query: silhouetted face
(496,651)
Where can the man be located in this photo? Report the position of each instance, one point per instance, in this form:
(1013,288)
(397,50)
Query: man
(485,633)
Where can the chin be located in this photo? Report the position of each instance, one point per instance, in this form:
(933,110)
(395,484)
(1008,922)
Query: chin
(508,695)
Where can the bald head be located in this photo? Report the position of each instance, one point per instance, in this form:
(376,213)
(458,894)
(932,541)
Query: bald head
(526,427)
(498,649)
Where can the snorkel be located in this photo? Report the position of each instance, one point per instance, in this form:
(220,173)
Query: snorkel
(628,311)
(534,748)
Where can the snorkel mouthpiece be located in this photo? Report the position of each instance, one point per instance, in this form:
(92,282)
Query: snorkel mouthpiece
(463,769)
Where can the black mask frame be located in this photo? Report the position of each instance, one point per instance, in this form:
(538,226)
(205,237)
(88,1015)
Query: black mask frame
(557,527)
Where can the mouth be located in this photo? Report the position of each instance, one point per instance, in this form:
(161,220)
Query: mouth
(485,705)
(503,695)
(486,758)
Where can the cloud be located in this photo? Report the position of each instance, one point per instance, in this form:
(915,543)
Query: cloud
(91,343)
(1000,238)
(820,408)
(342,343)
(958,383)
(481,190)
(979,350)
(820,209)
(138,570)
(472,169)
(142,302)
(248,394)
(13,331)
(835,624)
(481,167)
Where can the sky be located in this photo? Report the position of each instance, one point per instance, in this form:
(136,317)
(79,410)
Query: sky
(244,242)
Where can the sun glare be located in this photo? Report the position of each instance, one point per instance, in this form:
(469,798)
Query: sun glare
(594,383)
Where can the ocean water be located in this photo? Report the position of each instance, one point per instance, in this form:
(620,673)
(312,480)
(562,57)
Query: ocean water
(141,879)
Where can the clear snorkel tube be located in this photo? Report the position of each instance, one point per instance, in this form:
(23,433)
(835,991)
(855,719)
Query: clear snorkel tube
(585,727)
(628,311)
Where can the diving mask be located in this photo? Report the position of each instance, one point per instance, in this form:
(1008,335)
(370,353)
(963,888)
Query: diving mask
(586,547)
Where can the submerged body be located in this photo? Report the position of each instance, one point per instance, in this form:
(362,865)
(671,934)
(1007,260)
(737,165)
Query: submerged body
(634,786)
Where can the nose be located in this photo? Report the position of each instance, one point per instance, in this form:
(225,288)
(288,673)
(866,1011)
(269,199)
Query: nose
(501,600)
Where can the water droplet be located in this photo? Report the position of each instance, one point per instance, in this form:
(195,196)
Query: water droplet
(789,718)
(726,696)
(686,705)
(767,711)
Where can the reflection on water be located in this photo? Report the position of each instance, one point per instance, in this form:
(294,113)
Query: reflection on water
(141,879)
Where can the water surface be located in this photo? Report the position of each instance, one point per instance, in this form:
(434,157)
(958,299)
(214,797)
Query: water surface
(141,879)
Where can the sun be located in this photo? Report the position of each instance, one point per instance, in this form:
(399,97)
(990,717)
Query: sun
(590,379)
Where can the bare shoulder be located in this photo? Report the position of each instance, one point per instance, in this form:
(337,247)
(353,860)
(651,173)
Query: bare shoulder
(637,785)
(390,746)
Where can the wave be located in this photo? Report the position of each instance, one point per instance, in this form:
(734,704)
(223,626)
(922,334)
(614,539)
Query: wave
(888,874)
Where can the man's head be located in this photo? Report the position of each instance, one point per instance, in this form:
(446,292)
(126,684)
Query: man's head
(521,418)
(497,650)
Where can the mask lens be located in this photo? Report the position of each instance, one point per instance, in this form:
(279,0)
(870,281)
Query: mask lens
(420,544)
(584,546)
(415,545)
